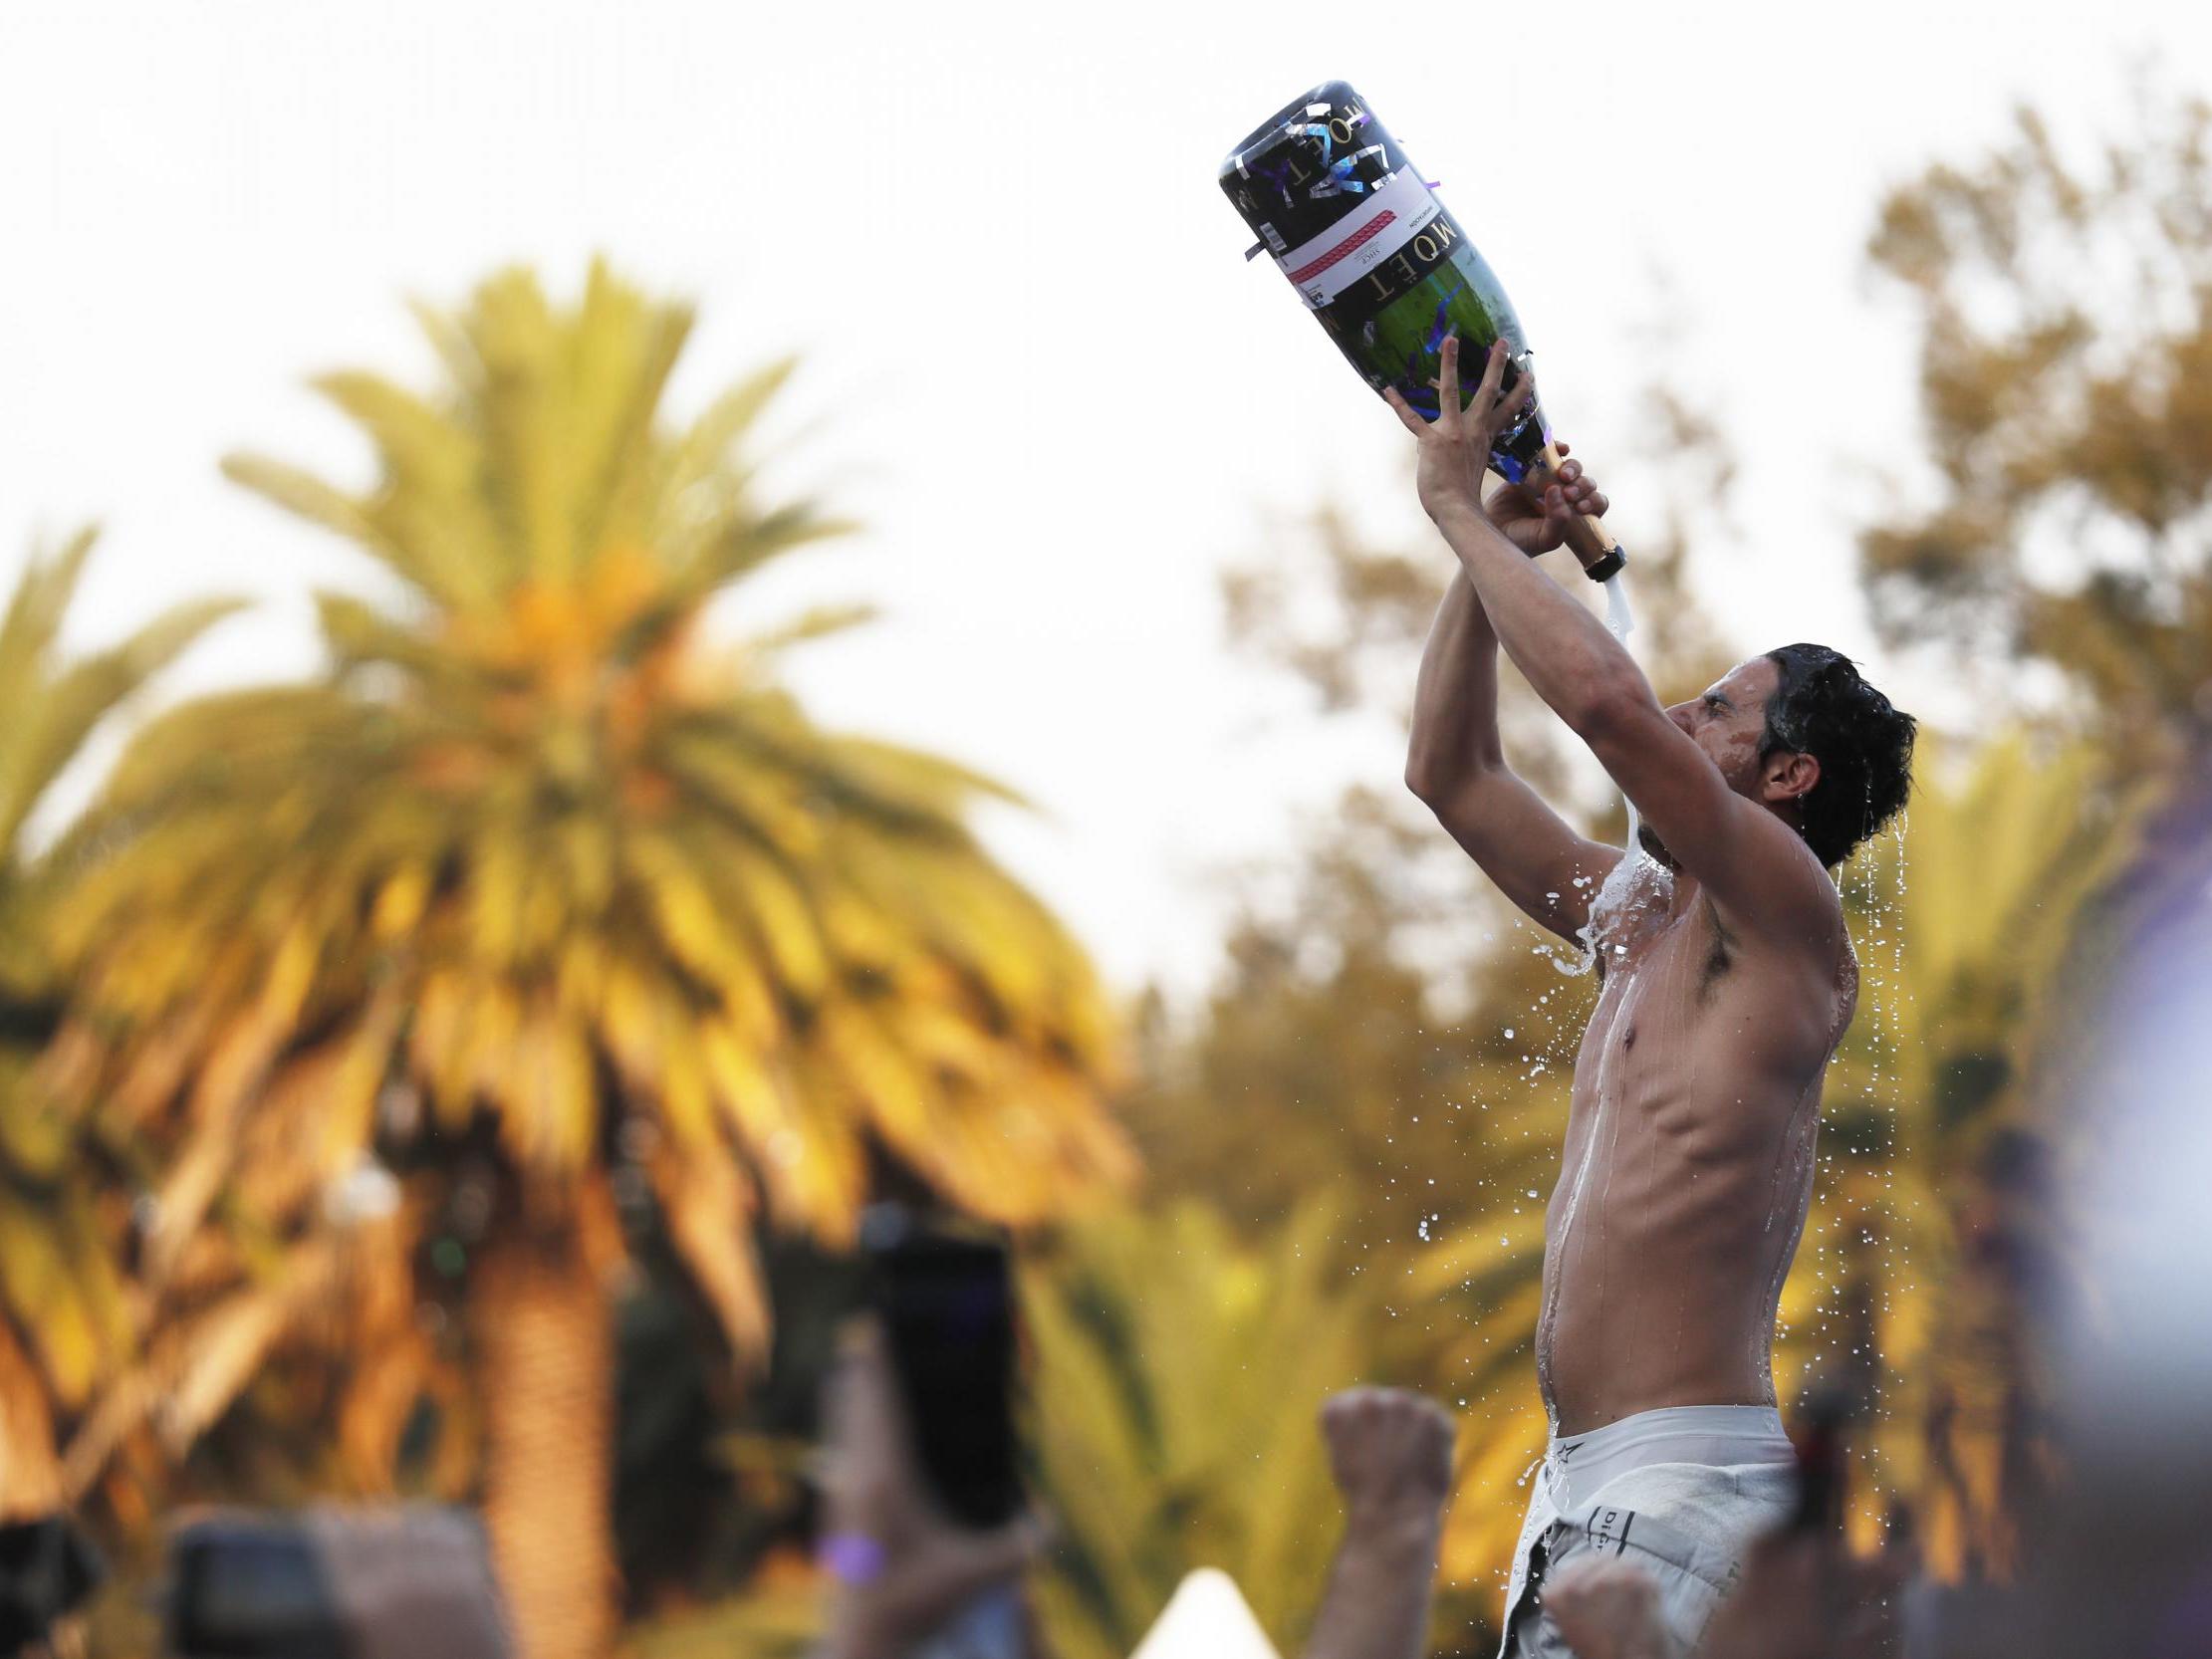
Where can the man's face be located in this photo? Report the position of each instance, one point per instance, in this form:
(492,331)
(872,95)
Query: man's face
(1728,718)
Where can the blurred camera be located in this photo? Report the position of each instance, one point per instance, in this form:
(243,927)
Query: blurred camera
(334,1584)
(945,1299)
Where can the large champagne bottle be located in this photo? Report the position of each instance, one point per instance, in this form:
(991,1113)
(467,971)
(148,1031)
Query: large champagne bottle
(1387,268)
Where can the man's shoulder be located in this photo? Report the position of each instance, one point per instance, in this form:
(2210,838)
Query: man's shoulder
(1800,916)
(1801,978)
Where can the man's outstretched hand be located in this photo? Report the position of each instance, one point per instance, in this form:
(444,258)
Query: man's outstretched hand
(1456,452)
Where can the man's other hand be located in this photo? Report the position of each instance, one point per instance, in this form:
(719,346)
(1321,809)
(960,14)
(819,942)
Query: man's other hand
(1453,452)
(1535,516)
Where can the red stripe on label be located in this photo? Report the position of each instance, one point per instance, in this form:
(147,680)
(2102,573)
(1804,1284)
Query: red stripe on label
(1351,244)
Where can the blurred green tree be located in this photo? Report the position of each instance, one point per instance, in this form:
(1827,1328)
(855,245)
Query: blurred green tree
(64,1193)
(1965,920)
(2058,546)
(1179,1379)
(2063,306)
(541,912)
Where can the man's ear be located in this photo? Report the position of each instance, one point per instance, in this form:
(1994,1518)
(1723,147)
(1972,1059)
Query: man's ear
(1790,776)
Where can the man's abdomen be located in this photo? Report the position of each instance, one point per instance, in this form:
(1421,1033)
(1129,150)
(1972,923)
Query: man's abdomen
(1662,1272)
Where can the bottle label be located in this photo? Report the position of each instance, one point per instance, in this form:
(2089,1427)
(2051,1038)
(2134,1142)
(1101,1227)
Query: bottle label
(1394,214)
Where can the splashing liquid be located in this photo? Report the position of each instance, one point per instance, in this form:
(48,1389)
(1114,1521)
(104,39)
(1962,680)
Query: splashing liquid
(1624,880)
(1620,621)
(1865,1250)
(1891,992)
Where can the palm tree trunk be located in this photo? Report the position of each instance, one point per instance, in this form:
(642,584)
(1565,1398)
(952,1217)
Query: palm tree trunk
(541,1314)
(30,1473)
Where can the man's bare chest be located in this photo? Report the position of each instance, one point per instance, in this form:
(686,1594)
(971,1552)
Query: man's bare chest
(1650,949)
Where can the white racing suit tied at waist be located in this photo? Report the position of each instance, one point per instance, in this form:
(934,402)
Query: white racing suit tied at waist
(1681,1492)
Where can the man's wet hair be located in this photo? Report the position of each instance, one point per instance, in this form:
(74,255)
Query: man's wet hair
(1823,708)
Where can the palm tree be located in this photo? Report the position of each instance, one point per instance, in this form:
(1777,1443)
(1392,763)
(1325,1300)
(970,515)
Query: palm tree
(1908,1292)
(541,913)
(64,1315)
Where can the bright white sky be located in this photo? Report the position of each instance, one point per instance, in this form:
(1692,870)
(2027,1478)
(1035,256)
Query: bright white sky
(1036,363)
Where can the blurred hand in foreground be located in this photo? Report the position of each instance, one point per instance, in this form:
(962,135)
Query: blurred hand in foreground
(903,1570)
(1390,1454)
(1608,1608)
(1804,1595)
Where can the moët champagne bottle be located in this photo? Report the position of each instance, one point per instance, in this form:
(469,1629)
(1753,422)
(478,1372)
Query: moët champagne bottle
(1386,270)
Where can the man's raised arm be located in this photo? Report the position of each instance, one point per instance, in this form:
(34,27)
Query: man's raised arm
(1750,863)
(1456,764)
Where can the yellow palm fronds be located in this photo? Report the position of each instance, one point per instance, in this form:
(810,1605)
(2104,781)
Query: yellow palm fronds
(593,891)
(65,1314)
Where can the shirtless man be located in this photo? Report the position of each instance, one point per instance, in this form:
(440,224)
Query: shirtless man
(1728,980)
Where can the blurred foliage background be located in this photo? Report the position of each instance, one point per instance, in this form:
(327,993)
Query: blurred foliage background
(460,1074)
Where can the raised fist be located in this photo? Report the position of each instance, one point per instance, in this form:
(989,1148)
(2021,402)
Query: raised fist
(1389,1451)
